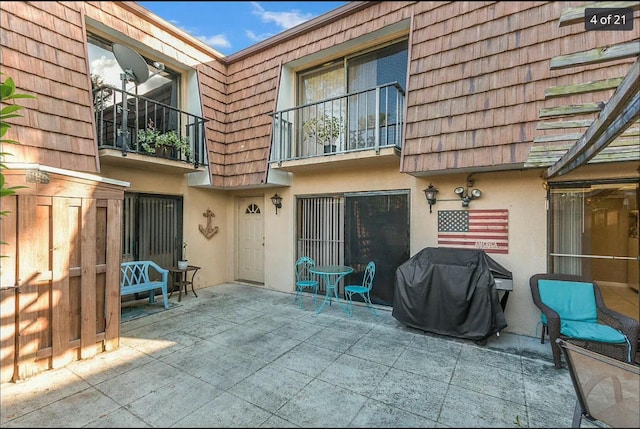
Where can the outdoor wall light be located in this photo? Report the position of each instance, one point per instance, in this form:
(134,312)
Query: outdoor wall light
(277,201)
(466,197)
(430,194)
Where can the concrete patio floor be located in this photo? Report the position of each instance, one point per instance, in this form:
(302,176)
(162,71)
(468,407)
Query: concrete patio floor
(242,356)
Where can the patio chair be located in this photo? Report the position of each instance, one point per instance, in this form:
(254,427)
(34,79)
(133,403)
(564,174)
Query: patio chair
(363,290)
(305,279)
(572,308)
(607,390)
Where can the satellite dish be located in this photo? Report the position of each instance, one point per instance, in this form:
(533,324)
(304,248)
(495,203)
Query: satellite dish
(131,62)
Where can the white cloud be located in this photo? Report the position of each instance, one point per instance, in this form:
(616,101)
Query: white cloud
(257,37)
(284,20)
(217,41)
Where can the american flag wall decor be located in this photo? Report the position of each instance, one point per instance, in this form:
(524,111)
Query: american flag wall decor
(487,230)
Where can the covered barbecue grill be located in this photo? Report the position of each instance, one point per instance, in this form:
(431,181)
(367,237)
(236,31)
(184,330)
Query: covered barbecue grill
(450,291)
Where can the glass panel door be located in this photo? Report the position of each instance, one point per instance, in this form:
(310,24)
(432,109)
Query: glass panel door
(594,233)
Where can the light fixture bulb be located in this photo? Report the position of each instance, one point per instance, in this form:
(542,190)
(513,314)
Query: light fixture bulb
(459,191)
(476,193)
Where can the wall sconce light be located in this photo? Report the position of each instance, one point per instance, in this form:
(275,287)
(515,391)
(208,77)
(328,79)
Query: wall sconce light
(277,201)
(430,194)
(465,196)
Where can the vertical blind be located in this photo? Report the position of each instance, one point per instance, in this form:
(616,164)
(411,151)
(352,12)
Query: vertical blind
(320,232)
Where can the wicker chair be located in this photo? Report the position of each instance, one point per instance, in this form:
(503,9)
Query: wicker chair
(623,349)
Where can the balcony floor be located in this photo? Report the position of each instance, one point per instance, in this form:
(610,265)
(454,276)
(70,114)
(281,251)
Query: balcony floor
(146,162)
(342,160)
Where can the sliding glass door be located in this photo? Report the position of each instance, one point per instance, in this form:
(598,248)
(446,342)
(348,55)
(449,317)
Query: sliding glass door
(594,231)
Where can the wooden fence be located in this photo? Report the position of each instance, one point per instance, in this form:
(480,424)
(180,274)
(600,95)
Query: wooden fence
(60,272)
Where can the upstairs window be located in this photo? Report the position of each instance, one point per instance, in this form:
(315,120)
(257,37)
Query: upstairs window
(355,101)
(162,85)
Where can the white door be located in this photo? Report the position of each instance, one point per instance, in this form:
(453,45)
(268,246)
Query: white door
(251,240)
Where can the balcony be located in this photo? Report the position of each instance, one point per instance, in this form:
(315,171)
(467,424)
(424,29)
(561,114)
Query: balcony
(147,134)
(363,126)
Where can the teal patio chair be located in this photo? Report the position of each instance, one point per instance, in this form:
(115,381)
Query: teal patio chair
(364,290)
(305,279)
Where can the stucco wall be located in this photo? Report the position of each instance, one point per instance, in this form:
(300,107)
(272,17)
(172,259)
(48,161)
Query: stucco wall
(520,192)
(213,254)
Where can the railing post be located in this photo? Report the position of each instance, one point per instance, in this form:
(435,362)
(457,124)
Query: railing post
(124,132)
(376,132)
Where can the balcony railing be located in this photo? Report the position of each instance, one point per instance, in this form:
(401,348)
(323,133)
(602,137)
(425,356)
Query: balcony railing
(363,120)
(119,128)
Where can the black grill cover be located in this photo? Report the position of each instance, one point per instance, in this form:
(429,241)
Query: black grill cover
(451,292)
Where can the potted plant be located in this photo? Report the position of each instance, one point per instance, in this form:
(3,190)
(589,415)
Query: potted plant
(325,129)
(147,139)
(163,144)
(180,144)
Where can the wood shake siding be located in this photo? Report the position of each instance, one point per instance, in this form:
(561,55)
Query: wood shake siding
(43,51)
(476,83)
(477,80)
(253,83)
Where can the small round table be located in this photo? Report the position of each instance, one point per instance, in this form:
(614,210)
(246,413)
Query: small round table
(331,275)
(180,279)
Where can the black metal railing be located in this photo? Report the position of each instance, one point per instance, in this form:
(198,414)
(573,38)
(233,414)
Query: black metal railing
(368,119)
(147,127)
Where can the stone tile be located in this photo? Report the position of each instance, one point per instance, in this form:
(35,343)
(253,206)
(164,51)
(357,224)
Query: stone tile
(270,387)
(277,422)
(225,411)
(38,391)
(138,382)
(436,362)
(228,369)
(463,408)
(308,359)
(380,347)
(412,393)
(104,366)
(267,322)
(238,336)
(209,329)
(298,330)
(268,347)
(335,339)
(494,358)
(358,375)
(120,418)
(375,414)
(476,375)
(198,354)
(168,404)
(322,404)
(76,410)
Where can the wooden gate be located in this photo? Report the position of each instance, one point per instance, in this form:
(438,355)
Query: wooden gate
(60,297)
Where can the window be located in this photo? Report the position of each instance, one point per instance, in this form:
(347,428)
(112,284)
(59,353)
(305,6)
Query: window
(162,85)
(358,96)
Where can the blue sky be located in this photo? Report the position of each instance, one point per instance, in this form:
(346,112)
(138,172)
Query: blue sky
(230,26)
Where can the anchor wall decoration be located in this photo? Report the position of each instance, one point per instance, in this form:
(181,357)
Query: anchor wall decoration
(208,231)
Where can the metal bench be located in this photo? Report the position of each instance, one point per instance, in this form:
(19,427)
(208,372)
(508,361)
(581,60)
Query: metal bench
(135,278)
